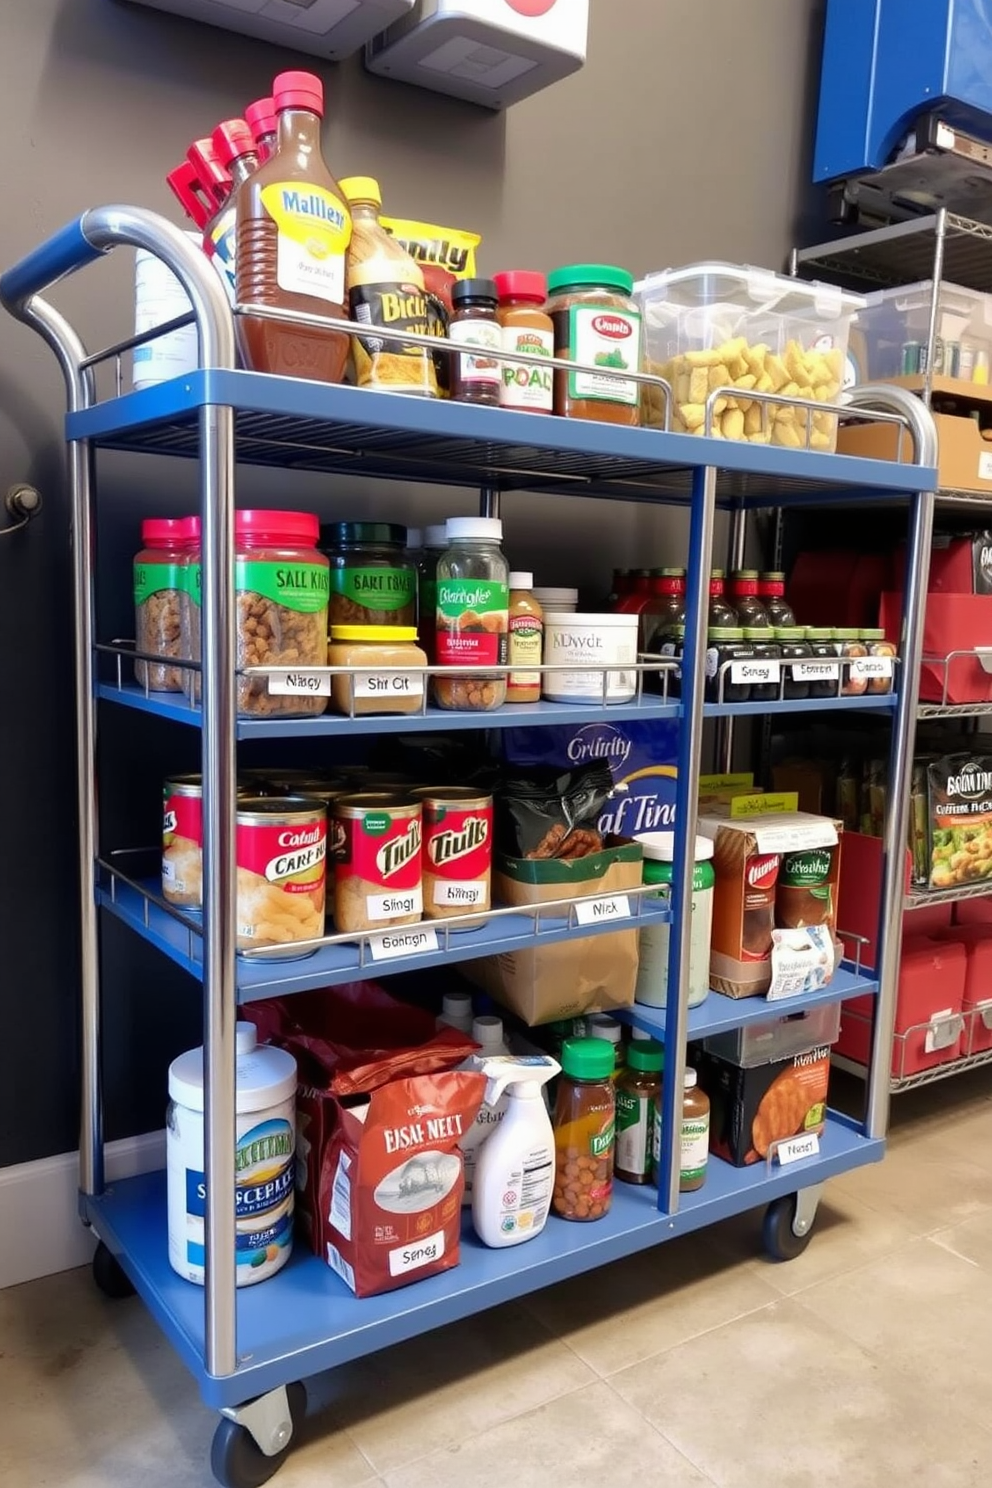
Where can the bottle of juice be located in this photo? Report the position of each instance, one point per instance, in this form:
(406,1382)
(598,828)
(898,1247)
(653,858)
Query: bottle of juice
(385,289)
(293,233)
(234,146)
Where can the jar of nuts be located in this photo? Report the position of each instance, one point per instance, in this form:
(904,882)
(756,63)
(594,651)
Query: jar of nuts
(373,579)
(159,579)
(473,601)
(584,1124)
(281,584)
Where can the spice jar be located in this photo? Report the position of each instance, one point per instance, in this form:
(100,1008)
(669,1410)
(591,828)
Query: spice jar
(525,327)
(475,376)
(281,584)
(796,652)
(771,592)
(637,1090)
(725,643)
(654,939)
(744,598)
(584,1127)
(393,691)
(596,323)
(472,613)
(766,668)
(526,640)
(848,643)
(695,1143)
(373,580)
(877,645)
(159,579)
(824,667)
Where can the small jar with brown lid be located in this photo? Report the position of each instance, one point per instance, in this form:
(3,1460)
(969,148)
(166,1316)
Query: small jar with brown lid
(848,644)
(596,323)
(525,327)
(638,1088)
(475,373)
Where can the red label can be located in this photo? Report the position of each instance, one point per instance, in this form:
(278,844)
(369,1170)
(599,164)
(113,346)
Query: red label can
(458,850)
(377,861)
(182,841)
(282,870)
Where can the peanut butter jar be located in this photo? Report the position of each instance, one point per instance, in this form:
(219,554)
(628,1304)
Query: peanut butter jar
(390,647)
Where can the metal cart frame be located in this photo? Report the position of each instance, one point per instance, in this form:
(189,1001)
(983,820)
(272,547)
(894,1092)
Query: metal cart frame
(245,1348)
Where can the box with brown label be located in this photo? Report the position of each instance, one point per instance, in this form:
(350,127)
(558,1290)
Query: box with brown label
(753,1109)
(747,859)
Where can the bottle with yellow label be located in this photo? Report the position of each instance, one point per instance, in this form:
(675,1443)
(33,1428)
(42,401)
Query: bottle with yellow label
(293,234)
(385,290)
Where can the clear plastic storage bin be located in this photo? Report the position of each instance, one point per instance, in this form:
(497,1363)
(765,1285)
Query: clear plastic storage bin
(895,324)
(719,325)
(779,1038)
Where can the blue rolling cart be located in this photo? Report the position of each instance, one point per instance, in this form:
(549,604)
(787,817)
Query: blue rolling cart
(249,1350)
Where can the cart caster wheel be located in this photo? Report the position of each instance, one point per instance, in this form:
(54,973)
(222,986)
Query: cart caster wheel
(109,1275)
(236,1459)
(780,1239)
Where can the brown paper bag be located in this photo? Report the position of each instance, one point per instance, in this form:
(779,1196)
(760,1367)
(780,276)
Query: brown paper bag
(569,977)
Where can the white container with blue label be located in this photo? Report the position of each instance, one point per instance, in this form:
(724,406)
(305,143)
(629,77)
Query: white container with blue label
(265,1160)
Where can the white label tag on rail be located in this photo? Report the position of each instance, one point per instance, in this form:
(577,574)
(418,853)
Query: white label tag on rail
(796,1148)
(409,940)
(299,684)
(871,666)
(597,911)
(388,684)
(985,465)
(815,671)
(755,671)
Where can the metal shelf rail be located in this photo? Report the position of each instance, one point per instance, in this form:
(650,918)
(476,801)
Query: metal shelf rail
(247,1349)
(942,247)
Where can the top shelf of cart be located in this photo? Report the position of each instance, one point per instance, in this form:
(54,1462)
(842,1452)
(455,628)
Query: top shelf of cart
(295,424)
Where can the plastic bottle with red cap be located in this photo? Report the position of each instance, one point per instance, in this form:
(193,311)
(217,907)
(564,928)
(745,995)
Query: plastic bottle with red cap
(293,232)
(185,185)
(263,122)
(234,146)
(524,327)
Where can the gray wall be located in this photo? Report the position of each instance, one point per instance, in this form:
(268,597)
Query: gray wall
(685,137)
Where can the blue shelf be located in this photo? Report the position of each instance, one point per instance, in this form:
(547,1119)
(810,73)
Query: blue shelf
(305,1320)
(295,424)
(435,720)
(342,963)
(719,1014)
(439,720)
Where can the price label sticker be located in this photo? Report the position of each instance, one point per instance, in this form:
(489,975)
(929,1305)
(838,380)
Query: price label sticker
(796,1148)
(409,940)
(598,911)
(871,666)
(299,684)
(755,671)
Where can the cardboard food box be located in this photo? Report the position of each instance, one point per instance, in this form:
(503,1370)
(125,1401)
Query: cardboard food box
(753,1109)
(747,856)
(964,461)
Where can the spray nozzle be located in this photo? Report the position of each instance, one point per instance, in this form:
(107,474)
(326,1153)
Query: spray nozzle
(502,1071)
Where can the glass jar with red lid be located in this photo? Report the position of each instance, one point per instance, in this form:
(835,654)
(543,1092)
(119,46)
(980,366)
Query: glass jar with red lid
(281,585)
(525,327)
(666,609)
(159,579)
(771,592)
(744,597)
(720,612)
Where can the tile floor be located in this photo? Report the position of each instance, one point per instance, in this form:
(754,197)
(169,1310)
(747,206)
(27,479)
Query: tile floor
(866,1361)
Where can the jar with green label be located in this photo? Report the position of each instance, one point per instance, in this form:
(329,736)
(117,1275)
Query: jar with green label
(281,585)
(159,581)
(655,939)
(638,1089)
(373,578)
(473,615)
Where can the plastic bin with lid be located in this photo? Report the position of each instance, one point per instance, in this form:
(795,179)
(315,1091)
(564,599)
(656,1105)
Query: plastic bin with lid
(894,327)
(779,1038)
(716,325)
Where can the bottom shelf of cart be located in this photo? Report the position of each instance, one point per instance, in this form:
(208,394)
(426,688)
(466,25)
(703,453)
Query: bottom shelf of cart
(305,1320)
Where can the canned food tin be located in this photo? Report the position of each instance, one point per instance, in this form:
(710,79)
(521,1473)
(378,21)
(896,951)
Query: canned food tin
(458,849)
(376,843)
(282,868)
(182,841)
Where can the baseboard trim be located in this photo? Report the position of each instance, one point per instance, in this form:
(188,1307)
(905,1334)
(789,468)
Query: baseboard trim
(40,1229)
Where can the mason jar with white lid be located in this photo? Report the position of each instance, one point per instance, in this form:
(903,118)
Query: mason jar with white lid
(609,639)
(265,1160)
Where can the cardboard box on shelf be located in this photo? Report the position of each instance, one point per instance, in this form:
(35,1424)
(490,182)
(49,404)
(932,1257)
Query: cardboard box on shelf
(753,1109)
(964,460)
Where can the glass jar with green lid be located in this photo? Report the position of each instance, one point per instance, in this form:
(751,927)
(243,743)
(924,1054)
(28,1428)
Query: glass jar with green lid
(796,652)
(673,646)
(765,649)
(585,1130)
(373,577)
(596,323)
(638,1089)
(824,655)
(849,645)
(652,971)
(877,646)
(725,643)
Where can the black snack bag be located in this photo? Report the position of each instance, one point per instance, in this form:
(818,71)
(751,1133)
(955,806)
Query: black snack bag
(438,759)
(549,814)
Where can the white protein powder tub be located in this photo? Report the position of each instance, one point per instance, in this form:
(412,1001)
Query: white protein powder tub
(159,297)
(608,639)
(265,1160)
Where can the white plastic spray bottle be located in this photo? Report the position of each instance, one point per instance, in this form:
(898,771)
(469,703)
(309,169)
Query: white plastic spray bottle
(515,1169)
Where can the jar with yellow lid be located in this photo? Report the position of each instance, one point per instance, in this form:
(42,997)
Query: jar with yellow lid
(387,686)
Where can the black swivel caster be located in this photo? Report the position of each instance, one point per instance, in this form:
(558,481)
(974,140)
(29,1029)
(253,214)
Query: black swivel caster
(109,1275)
(778,1231)
(236,1459)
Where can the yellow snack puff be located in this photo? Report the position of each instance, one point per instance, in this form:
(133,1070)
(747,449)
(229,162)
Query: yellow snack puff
(703,358)
(681,385)
(732,424)
(699,384)
(731,349)
(755,357)
(752,420)
(746,380)
(791,390)
(759,438)
(819,441)
(777,371)
(764,384)
(785,434)
(693,415)
(719,376)
(805,392)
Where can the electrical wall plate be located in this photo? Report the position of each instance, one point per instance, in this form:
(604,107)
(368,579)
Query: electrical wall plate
(324,28)
(492,52)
